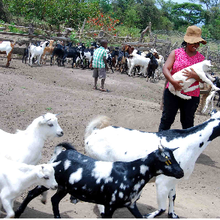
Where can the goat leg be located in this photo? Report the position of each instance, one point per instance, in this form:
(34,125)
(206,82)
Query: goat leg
(55,200)
(31,195)
(134,210)
(109,210)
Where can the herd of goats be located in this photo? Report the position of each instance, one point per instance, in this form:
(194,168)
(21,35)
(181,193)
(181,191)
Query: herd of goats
(126,59)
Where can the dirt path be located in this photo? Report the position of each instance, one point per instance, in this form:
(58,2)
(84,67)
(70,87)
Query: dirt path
(26,93)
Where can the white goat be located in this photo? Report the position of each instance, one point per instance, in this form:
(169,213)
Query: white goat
(201,69)
(16,177)
(208,100)
(37,51)
(110,143)
(138,60)
(26,146)
(7,47)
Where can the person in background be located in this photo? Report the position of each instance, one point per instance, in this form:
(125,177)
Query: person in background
(179,59)
(99,64)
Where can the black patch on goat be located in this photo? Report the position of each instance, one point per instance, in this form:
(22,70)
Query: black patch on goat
(201,144)
(177,133)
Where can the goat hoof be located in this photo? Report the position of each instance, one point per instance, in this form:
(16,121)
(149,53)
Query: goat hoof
(172,215)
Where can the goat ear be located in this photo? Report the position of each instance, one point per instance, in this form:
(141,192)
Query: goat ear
(55,164)
(41,172)
(174,149)
(43,120)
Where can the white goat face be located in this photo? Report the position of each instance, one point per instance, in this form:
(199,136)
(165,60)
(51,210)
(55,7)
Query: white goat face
(51,126)
(207,65)
(47,175)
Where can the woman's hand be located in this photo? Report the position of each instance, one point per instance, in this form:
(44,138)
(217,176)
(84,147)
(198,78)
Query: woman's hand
(191,74)
(177,85)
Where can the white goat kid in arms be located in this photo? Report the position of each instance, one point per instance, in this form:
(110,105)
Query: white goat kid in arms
(201,69)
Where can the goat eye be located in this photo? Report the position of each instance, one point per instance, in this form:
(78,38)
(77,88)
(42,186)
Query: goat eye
(46,177)
(50,125)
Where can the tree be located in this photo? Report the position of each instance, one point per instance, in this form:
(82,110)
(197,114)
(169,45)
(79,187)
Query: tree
(187,14)
(3,12)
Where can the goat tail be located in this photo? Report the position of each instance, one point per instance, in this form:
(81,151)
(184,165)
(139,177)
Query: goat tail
(97,123)
(59,148)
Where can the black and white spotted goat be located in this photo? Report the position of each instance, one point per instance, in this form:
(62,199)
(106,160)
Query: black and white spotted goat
(113,184)
(110,143)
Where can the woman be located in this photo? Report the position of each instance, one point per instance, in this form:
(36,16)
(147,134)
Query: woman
(179,59)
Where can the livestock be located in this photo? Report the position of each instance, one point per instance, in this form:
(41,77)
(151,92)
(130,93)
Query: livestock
(25,146)
(70,52)
(6,47)
(36,51)
(138,60)
(17,177)
(121,61)
(47,51)
(58,52)
(212,96)
(109,61)
(152,66)
(110,143)
(161,61)
(86,55)
(26,53)
(114,185)
(201,69)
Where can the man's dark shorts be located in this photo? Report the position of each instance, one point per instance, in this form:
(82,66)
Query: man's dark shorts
(99,72)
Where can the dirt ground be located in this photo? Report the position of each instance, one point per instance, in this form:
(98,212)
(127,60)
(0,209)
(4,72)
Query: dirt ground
(26,93)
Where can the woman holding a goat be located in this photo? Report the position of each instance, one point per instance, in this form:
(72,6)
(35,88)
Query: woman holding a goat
(179,59)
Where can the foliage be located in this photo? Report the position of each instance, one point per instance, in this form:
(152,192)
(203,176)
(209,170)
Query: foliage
(132,14)
(102,22)
(187,14)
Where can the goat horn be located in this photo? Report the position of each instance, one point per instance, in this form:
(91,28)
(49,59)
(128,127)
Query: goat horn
(57,114)
(161,147)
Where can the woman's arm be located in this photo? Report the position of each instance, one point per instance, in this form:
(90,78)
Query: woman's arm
(166,71)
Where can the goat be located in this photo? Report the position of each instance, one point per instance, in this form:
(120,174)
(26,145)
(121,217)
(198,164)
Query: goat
(58,52)
(26,54)
(26,146)
(70,52)
(212,95)
(110,143)
(85,56)
(114,185)
(201,69)
(161,61)
(6,47)
(138,60)
(16,177)
(36,51)
(47,51)
(152,66)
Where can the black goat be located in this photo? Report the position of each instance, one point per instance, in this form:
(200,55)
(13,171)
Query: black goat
(59,53)
(152,66)
(113,184)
